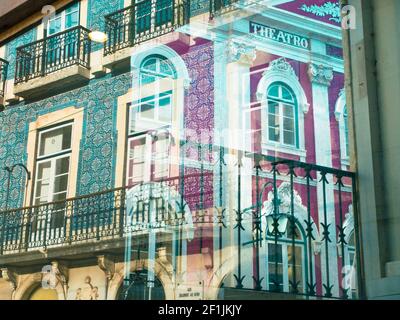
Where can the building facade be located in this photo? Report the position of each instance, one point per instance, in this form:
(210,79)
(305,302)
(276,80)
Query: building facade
(169,149)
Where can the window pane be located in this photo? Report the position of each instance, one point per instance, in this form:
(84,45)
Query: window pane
(288,110)
(146,79)
(165,111)
(71,20)
(60,196)
(166,69)
(60,183)
(147,110)
(274,252)
(288,137)
(286,94)
(161,157)
(136,165)
(275,266)
(273,107)
(295,263)
(273,121)
(42,192)
(273,91)
(273,134)
(62,166)
(288,124)
(150,64)
(72,8)
(44,170)
(55,141)
(55,25)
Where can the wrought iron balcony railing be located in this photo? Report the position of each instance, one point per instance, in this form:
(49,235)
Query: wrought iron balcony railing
(56,52)
(144,20)
(3,75)
(297,221)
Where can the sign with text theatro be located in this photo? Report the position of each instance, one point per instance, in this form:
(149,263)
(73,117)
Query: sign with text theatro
(279,35)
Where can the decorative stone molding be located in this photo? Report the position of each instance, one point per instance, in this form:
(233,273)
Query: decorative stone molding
(240,52)
(320,74)
(10,276)
(87,291)
(107,264)
(61,271)
(62,275)
(281,65)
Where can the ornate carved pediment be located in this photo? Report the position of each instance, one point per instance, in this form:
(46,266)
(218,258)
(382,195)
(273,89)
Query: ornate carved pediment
(284,197)
(282,66)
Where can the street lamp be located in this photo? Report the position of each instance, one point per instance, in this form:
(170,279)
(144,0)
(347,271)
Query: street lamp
(98,36)
(277,221)
(10,171)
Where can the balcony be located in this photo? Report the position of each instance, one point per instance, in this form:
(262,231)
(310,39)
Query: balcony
(53,63)
(141,22)
(277,213)
(3,77)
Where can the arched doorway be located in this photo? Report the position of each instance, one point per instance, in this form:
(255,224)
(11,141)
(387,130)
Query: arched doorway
(139,288)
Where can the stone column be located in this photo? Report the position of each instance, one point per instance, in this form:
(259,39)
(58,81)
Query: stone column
(321,77)
(240,57)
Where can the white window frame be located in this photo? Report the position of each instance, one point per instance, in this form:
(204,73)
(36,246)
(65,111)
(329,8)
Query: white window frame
(62,14)
(149,157)
(280,101)
(53,161)
(53,157)
(136,115)
(280,70)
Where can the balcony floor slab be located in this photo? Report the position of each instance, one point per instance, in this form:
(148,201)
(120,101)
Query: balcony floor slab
(70,76)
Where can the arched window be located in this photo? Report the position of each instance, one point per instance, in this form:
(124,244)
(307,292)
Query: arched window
(284,105)
(138,287)
(341,114)
(282,115)
(155,104)
(286,258)
(150,120)
(156,67)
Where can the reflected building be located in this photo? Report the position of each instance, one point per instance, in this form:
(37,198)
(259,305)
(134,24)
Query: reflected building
(191,150)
